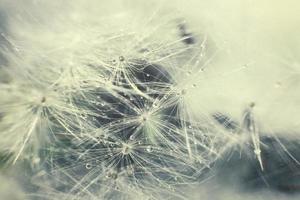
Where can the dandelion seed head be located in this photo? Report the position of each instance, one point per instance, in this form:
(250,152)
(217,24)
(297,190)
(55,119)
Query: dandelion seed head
(110,96)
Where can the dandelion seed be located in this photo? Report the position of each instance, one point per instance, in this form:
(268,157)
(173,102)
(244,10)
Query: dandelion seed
(251,128)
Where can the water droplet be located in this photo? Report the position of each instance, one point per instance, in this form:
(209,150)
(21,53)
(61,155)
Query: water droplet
(144,118)
(130,171)
(251,128)
(121,58)
(194,85)
(114,62)
(257,151)
(132,137)
(245,65)
(252,104)
(147,75)
(278,84)
(36,160)
(43,100)
(112,175)
(88,166)
(189,126)
(149,149)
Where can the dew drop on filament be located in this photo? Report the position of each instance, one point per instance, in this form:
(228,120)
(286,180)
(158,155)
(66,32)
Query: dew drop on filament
(149,149)
(88,166)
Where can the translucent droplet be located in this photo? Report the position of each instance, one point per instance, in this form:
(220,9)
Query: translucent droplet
(144,118)
(112,175)
(257,151)
(132,137)
(251,128)
(36,160)
(183,92)
(149,149)
(278,84)
(130,171)
(88,166)
(43,100)
(189,126)
(106,79)
(121,58)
